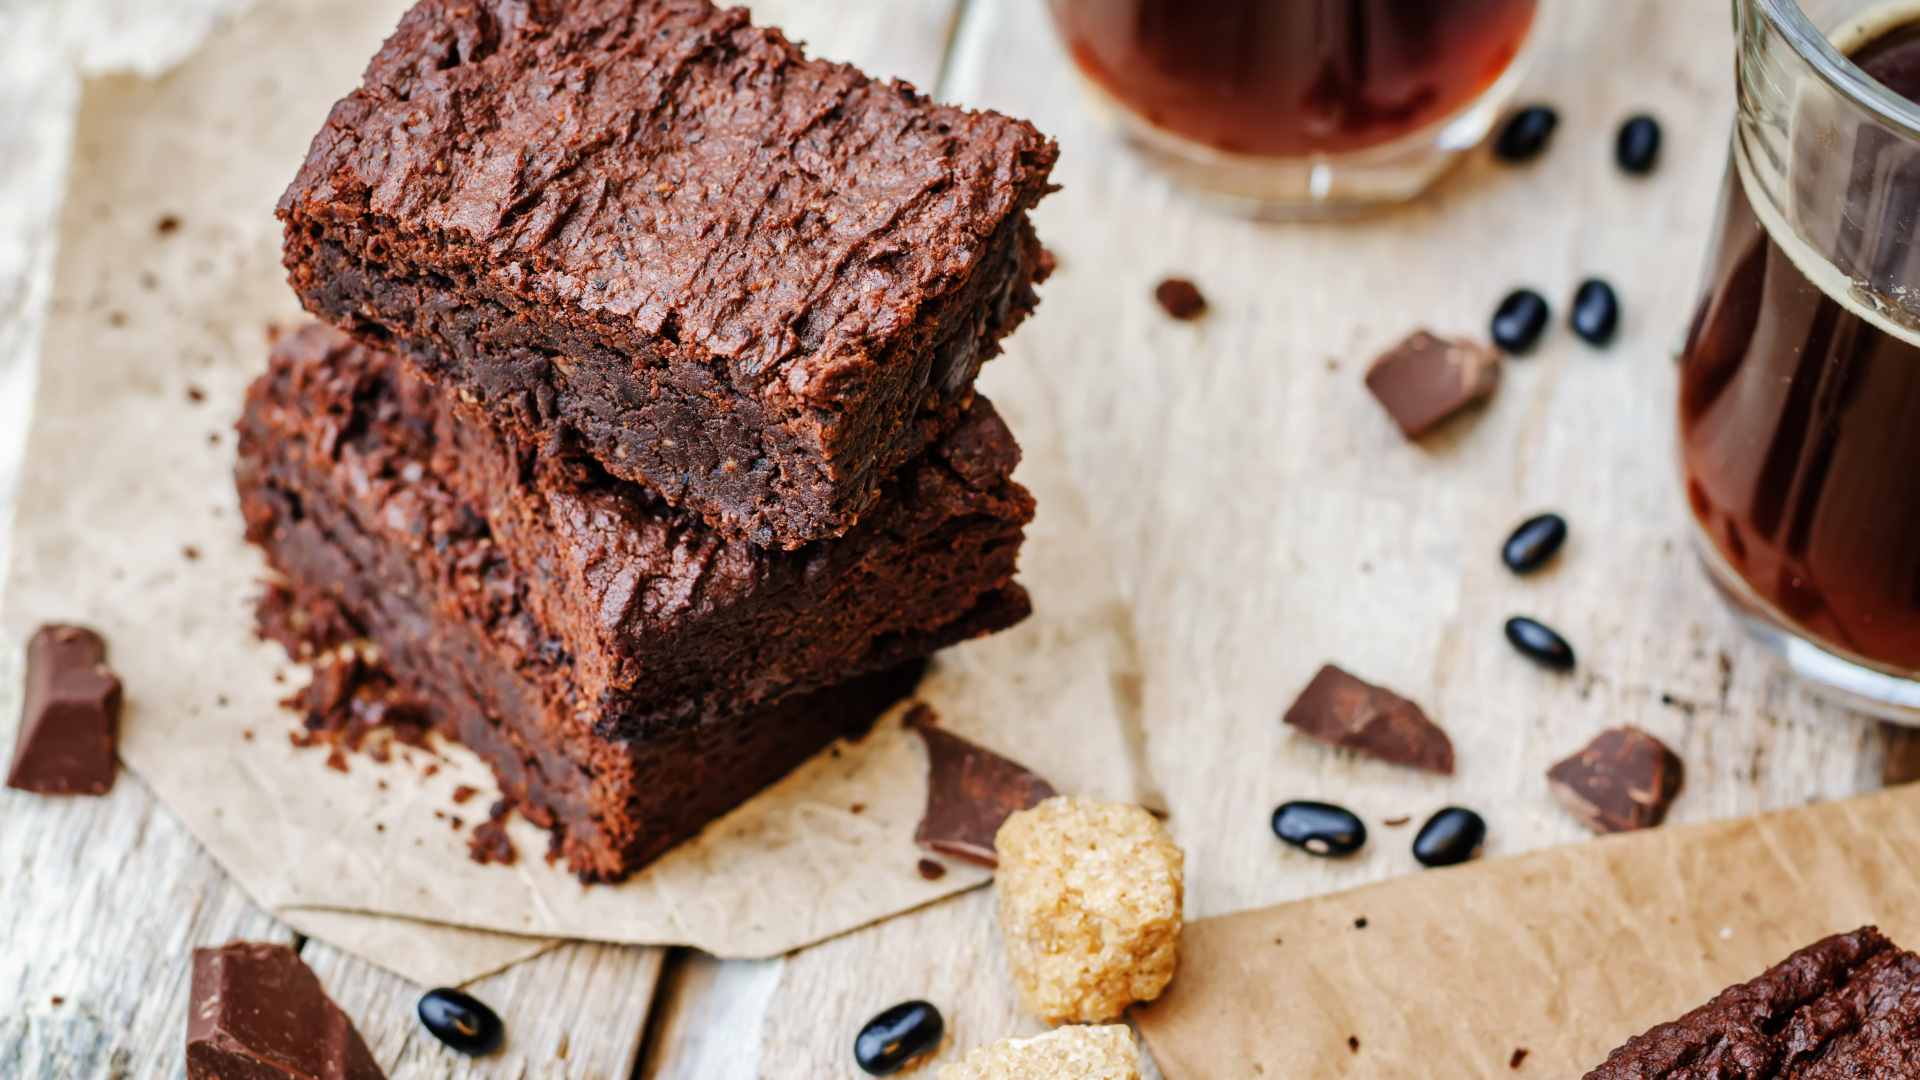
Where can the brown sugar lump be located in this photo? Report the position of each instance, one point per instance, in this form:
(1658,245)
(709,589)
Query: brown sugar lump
(1104,1052)
(757,283)
(1090,897)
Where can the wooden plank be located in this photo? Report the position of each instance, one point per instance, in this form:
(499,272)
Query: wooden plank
(575,1013)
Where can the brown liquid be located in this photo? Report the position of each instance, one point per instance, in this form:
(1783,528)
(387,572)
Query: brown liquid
(1289,78)
(1800,419)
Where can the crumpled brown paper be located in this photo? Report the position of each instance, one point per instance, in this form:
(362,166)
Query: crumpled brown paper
(169,279)
(1565,953)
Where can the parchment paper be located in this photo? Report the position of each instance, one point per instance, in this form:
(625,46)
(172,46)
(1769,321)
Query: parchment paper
(1566,952)
(169,280)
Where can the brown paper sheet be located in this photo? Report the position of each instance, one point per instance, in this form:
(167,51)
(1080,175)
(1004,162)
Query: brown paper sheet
(1566,952)
(127,522)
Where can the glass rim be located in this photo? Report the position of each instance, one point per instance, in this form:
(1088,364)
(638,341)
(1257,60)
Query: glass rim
(1833,66)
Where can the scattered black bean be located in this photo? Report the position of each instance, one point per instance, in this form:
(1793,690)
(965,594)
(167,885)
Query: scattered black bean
(1526,133)
(1518,321)
(461,1021)
(1596,312)
(1320,828)
(1450,836)
(1638,148)
(1539,643)
(897,1036)
(1534,542)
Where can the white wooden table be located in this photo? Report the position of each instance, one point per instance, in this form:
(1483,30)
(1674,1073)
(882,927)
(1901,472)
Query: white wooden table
(1263,514)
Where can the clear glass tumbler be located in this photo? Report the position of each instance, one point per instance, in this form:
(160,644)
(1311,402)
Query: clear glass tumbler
(1800,381)
(1300,108)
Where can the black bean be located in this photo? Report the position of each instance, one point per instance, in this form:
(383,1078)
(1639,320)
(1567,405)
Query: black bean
(1538,643)
(897,1036)
(1596,312)
(1638,147)
(1537,540)
(1526,133)
(1320,828)
(1450,836)
(461,1021)
(1519,319)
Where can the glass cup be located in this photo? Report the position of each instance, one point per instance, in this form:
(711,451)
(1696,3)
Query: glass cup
(1800,377)
(1300,108)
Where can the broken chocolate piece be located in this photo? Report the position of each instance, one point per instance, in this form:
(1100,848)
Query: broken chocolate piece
(72,712)
(1346,712)
(257,1011)
(970,792)
(1425,379)
(1624,779)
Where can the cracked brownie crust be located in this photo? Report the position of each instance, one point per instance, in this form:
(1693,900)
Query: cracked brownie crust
(1847,1006)
(755,282)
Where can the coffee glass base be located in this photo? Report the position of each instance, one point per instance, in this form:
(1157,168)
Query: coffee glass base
(1846,680)
(1318,187)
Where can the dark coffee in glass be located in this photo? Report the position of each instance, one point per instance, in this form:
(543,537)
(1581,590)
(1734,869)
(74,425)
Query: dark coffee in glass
(1800,378)
(1293,80)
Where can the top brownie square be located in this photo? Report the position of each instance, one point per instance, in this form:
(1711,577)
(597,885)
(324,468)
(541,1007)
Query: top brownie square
(756,283)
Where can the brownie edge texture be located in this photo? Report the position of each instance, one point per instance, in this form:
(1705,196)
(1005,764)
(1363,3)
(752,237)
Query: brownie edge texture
(755,282)
(1846,1006)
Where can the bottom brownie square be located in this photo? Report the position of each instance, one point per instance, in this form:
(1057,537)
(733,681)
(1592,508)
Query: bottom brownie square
(398,516)
(1846,1006)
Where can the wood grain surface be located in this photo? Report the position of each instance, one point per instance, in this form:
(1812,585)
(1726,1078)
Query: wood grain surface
(1263,514)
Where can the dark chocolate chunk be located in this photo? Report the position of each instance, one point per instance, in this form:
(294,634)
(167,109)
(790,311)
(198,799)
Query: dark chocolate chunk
(1596,312)
(1540,643)
(258,1012)
(1534,543)
(1425,379)
(1181,298)
(1526,133)
(897,1036)
(1338,709)
(970,792)
(71,716)
(1638,147)
(1624,779)
(1519,320)
(1320,828)
(462,1021)
(1450,836)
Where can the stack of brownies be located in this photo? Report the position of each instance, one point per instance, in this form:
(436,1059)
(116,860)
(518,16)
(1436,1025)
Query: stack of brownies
(642,449)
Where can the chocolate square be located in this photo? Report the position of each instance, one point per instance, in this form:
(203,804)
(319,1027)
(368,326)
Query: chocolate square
(1353,714)
(1425,379)
(1624,779)
(970,792)
(71,717)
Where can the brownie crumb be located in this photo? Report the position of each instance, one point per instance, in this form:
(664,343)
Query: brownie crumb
(489,843)
(1353,1043)
(1180,298)
(194,393)
(167,225)
(1396,822)
(1519,1055)
(336,760)
(58,1000)
(931,870)
(458,824)
(1360,923)
(462,793)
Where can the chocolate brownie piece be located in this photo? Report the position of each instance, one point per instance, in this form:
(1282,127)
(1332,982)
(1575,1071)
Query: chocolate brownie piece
(755,282)
(623,668)
(1847,1006)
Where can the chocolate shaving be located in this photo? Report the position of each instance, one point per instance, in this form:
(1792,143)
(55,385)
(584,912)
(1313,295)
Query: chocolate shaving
(970,792)
(1343,711)
(71,716)
(1623,780)
(1425,379)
